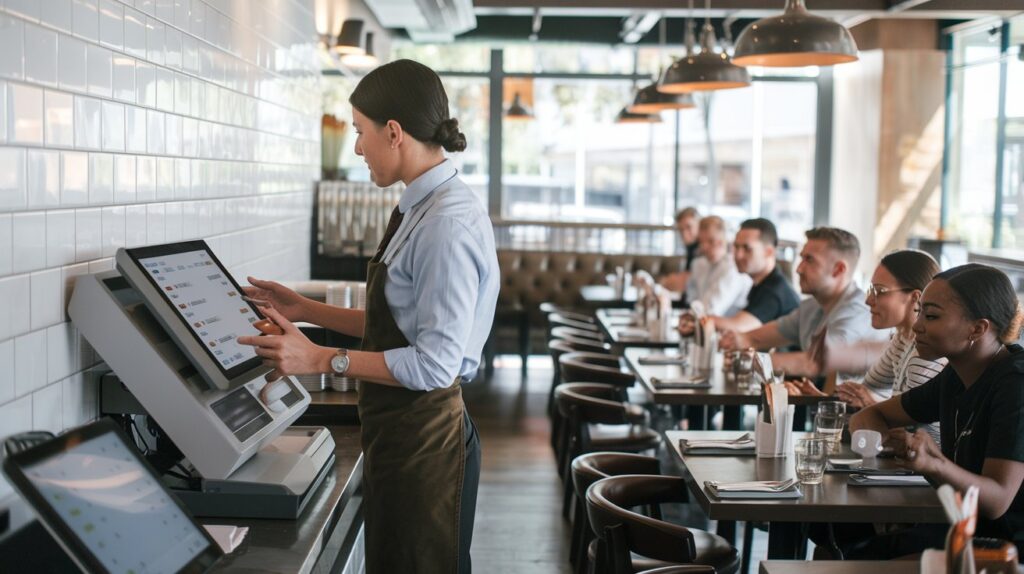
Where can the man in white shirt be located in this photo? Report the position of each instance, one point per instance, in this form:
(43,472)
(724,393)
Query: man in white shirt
(714,279)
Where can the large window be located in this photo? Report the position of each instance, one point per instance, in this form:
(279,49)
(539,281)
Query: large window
(739,154)
(986,143)
(572,162)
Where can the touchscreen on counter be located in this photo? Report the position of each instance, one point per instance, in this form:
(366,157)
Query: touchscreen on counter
(116,508)
(207,300)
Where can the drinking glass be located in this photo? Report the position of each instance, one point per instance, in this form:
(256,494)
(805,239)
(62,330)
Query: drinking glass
(832,407)
(745,368)
(829,426)
(811,454)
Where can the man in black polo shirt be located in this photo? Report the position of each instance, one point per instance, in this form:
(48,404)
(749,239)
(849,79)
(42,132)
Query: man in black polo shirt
(772,295)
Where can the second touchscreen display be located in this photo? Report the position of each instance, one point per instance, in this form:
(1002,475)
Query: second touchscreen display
(200,291)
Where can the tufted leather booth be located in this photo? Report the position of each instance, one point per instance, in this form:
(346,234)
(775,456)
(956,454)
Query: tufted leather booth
(529,278)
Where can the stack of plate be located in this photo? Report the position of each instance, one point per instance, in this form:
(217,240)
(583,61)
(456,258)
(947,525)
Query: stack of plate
(342,384)
(312,383)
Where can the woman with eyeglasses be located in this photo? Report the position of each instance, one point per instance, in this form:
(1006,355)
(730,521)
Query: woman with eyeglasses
(894,298)
(970,315)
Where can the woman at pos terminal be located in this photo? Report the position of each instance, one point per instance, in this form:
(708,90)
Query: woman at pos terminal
(430,297)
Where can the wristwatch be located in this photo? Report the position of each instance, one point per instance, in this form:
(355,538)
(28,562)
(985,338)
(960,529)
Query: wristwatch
(339,362)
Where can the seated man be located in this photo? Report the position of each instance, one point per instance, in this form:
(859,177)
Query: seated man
(687,221)
(714,279)
(772,295)
(835,313)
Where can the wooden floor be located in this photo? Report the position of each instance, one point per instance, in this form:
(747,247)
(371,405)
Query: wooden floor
(519,525)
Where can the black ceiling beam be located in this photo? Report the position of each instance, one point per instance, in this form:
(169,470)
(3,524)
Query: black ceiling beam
(846,6)
(583,29)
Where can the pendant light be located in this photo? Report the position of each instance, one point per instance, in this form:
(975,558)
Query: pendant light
(627,117)
(517,110)
(704,71)
(350,39)
(649,100)
(365,60)
(795,38)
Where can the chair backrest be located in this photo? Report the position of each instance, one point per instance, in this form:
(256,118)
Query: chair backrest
(596,403)
(608,506)
(594,367)
(592,467)
(562,331)
(547,308)
(585,345)
(556,319)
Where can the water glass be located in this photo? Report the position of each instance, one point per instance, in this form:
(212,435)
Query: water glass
(832,408)
(811,454)
(829,427)
(745,368)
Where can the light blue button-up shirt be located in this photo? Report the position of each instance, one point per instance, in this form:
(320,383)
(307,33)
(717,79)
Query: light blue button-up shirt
(442,284)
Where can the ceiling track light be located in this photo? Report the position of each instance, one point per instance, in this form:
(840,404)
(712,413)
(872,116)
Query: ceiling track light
(795,38)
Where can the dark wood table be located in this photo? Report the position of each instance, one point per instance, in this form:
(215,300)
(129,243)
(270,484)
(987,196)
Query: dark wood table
(840,566)
(598,296)
(830,501)
(604,296)
(613,321)
(723,392)
(323,533)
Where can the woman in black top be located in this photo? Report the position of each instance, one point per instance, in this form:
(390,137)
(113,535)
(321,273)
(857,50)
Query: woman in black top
(969,314)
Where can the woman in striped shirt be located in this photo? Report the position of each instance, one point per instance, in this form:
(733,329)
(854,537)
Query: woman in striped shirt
(894,297)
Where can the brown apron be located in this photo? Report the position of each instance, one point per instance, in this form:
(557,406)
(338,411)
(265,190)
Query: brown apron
(413,457)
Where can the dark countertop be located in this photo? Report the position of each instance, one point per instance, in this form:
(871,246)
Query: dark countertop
(296,545)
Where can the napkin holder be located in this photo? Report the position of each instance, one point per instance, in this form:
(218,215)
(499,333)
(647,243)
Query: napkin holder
(773,431)
(705,347)
(775,439)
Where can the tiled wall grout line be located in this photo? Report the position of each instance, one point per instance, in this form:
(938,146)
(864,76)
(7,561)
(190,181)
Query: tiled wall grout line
(119,126)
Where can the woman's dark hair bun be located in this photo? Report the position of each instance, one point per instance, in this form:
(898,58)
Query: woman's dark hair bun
(449,137)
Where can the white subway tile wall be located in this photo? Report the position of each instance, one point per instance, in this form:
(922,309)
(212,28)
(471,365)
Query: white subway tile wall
(133,123)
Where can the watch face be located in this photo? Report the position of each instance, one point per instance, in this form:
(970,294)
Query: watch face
(339,364)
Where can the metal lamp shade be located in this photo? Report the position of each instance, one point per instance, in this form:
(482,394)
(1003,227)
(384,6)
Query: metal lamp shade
(627,117)
(795,38)
(650,101)
(517,111)
(705,71)
(365,60)
(350,40)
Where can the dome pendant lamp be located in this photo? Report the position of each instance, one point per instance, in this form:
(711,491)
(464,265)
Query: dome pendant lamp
(705,71)
(627,117)
(795,38)
(649,100)
(517,110)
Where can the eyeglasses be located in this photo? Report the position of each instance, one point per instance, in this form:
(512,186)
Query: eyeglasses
(877,291)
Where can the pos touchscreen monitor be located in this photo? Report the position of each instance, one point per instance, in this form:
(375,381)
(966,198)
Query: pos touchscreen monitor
(106,507)
(200,305)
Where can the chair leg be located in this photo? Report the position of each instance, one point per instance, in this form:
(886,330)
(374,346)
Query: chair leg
(567,495)
(524,340)
(577,535)
(582,551)
(748,541)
